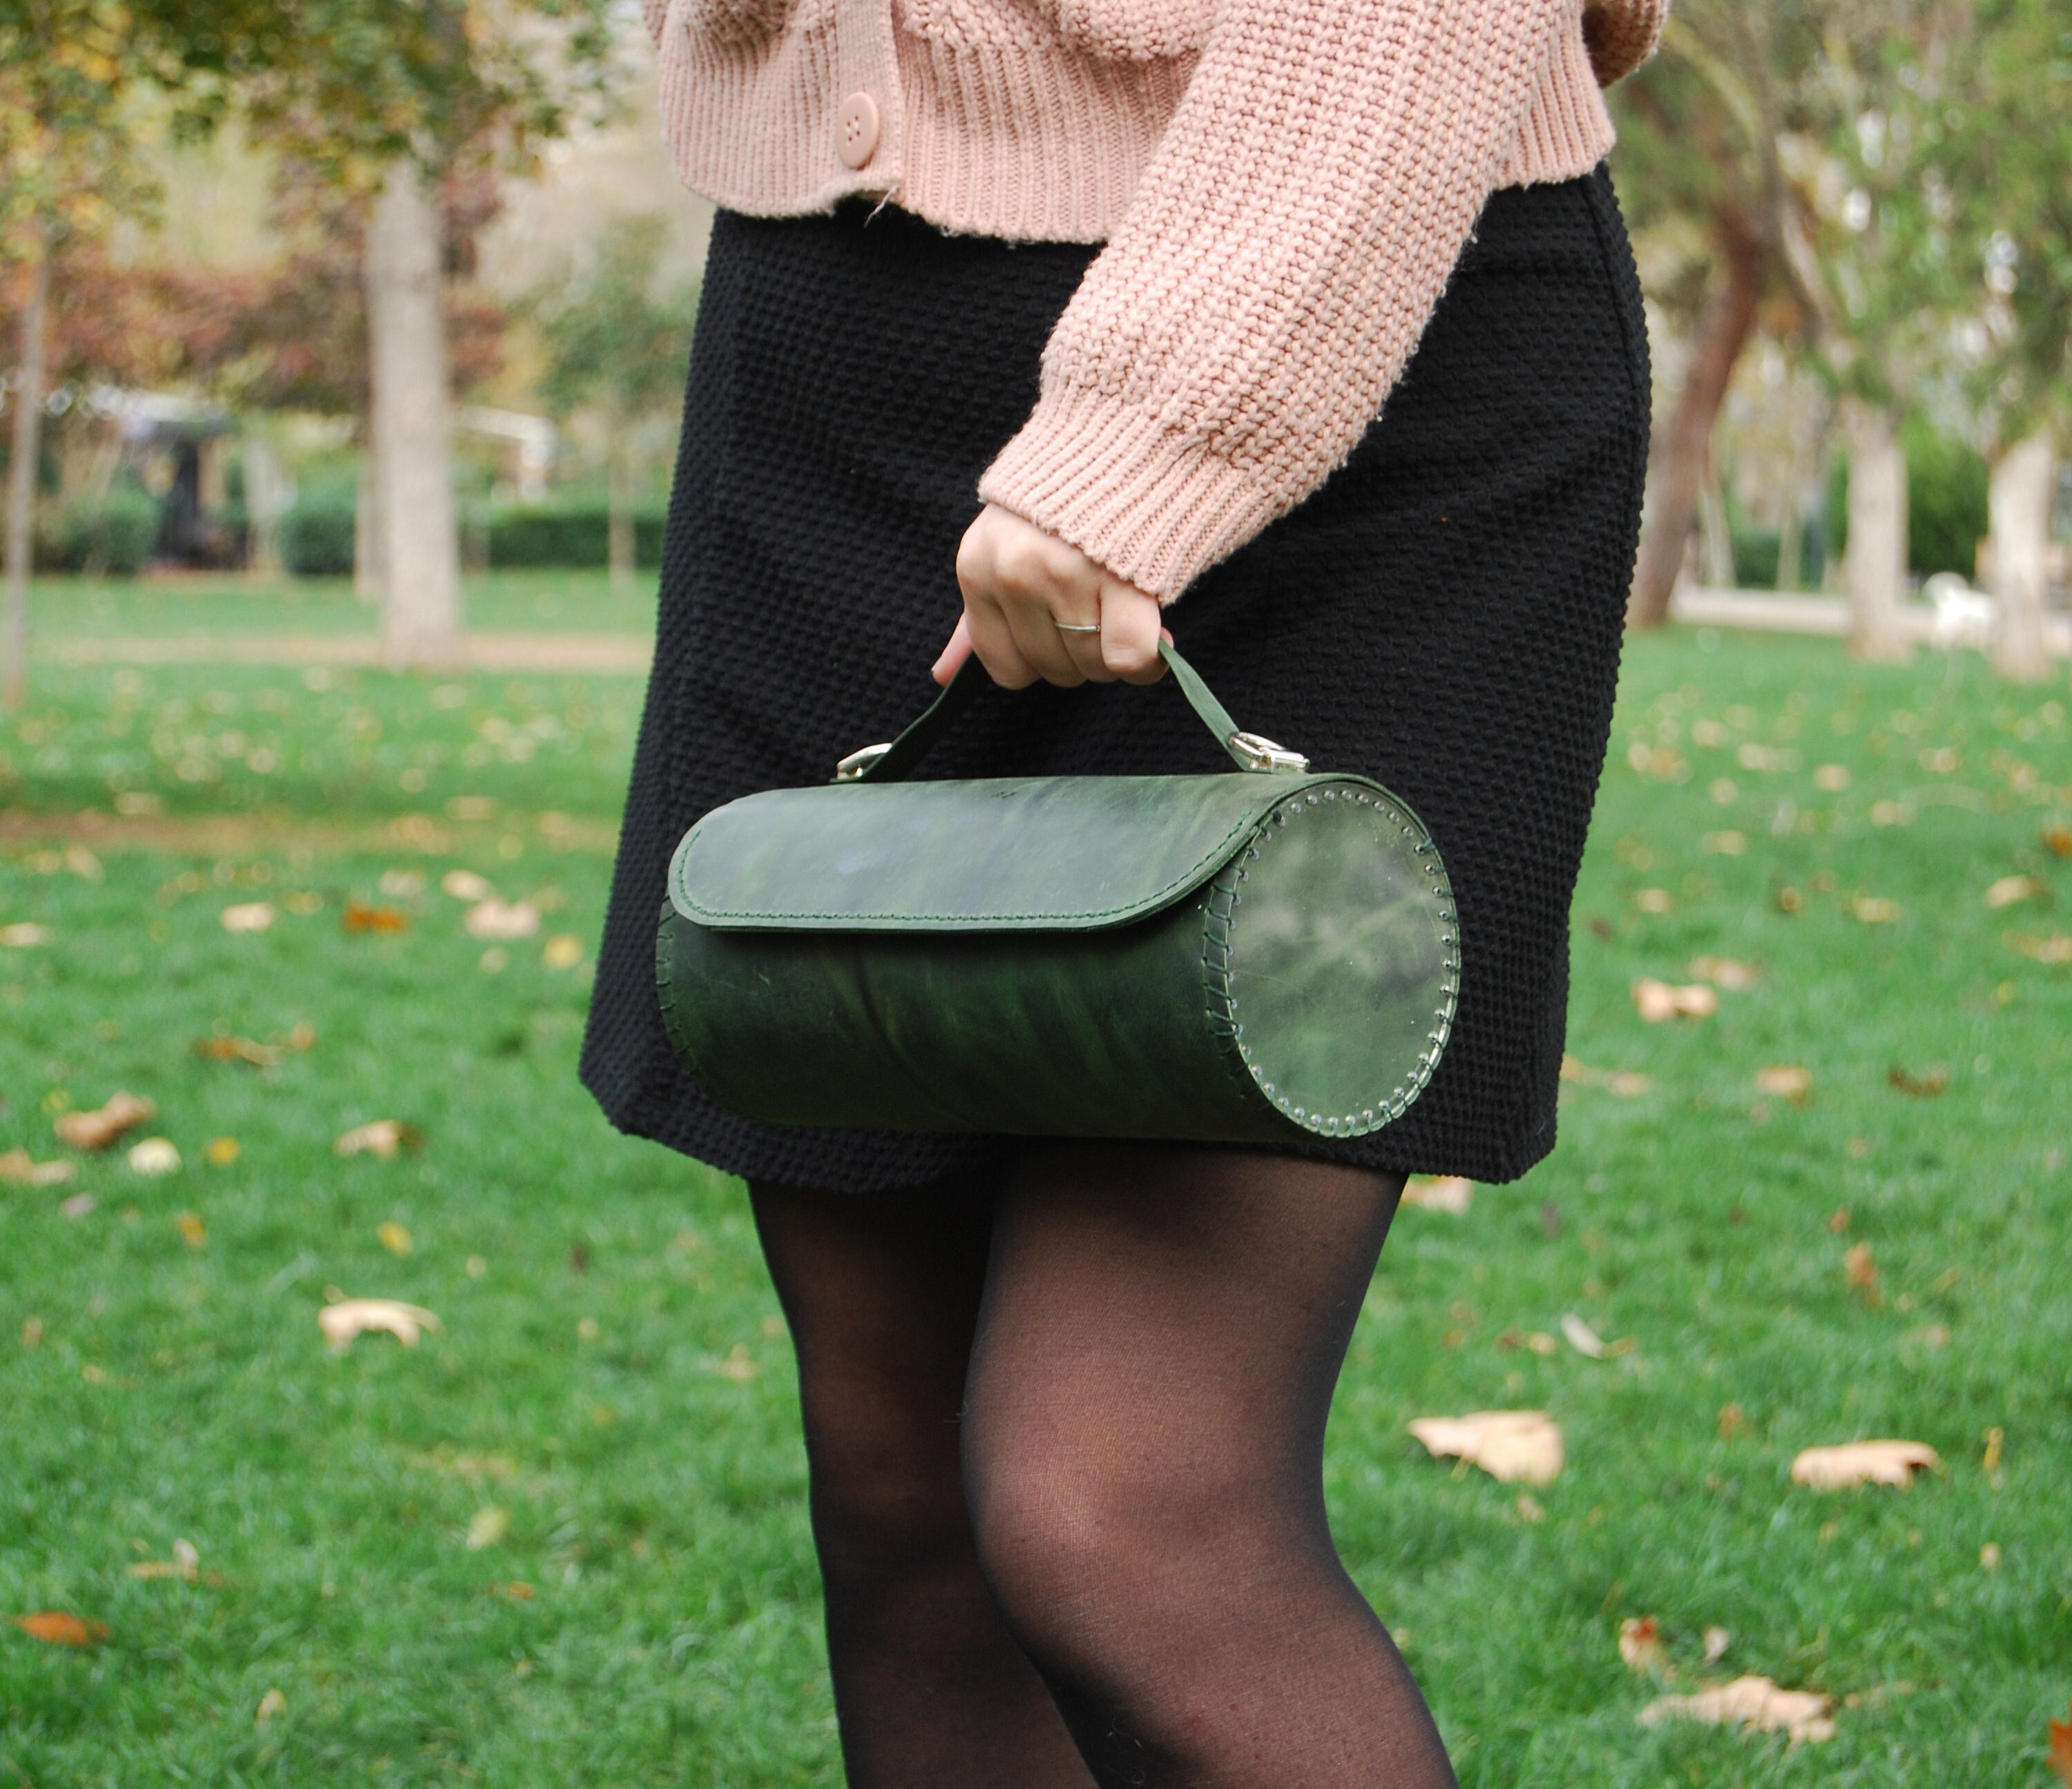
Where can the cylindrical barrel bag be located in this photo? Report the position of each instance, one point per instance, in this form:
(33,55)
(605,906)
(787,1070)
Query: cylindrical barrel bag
(1240,957)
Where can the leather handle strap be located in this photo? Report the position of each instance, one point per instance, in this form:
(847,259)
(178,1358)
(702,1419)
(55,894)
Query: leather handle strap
(891,763)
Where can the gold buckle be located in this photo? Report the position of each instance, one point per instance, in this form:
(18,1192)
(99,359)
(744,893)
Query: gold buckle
(851,768)
(1263,754)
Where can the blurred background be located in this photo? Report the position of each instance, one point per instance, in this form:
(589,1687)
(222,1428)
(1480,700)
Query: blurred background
(342,344)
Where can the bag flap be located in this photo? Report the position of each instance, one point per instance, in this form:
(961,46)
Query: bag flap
(1009,853)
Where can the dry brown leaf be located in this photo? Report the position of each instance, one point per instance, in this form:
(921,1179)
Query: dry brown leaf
(384,1137)
(1717,1640)
(274,1702)
(1515,1446)
(360,917)
(228,1049)
(1725,971)
(1754,1704)
(1624,1084)
(1917,1087)
(739,1366)
(1862,1463)
(24,935)
(1996,1439)
(221,1152)
(502,920)
(155,1155)
(78,1205)
(22,1169)
(394,1238)
(2060,1754)
(97,1130)
(57,1627)
(1784,1081)
(1449,1193)
(1640,1644)
(563,950)
(248,916)
(350,1317)
(1657,1002)
(191,1229)
(2011,889)
(518,1590)
(2057,840)
(1653,900)
(464,885)
(488,1525)
(1861,1272)
(2055,949)
(1734,1421)
(1874,909)
(1530,1508)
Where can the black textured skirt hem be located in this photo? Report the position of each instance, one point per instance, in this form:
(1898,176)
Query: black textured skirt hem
(1445,615)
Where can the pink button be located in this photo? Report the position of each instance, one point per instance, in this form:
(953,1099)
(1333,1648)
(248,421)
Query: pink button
(856,130)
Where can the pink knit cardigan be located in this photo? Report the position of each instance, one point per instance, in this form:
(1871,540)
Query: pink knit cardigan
(1283,187)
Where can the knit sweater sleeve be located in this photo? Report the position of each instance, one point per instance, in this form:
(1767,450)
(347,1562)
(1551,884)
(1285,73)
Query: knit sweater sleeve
(1273,273)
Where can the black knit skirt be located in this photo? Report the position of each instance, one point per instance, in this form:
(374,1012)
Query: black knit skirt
(1444,615)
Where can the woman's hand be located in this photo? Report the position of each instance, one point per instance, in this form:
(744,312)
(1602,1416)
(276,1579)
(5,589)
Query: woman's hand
(1019,584)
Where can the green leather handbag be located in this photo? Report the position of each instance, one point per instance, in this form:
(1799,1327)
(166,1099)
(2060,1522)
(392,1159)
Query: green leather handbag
(1243,957)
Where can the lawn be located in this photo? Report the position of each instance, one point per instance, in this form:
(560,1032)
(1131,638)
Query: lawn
(563,1539)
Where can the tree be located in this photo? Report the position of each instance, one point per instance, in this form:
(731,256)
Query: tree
(610,333)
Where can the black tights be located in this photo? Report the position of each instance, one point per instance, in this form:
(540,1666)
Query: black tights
(1065,1437)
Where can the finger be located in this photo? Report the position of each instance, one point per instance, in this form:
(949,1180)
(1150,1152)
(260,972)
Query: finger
(1031,621)
(991,639)
(954,654)
(1130,633)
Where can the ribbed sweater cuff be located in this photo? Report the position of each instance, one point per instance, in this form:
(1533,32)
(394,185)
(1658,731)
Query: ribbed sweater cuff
(1154,506)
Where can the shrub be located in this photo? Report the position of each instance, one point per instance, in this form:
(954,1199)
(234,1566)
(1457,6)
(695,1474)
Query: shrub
(315,533)
(111,536)
(571,532)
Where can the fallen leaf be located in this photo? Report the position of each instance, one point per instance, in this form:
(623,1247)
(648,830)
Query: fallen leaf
(78,1205)
(24,935)
(2060,1756)
(1838,1220)
(164,1568)
(1754,1704)
(56,1627)
(563,950)
(1510,1445)
(1640,1644)
(1717,1640)
(1653,900)
(301,1035)
(192,1229)
(488,1526)
(518,1590)
(384,1137)
(32,1332)
(19,1167)
(360,917)
(503,919)
(1529,1507)
(1874,909)
(221,1152)
(1725,971)
(1996,1439)
(1989,1556)
(248,916)
(738,1366)
(227,1049)
(93,1375)
(350,1317)
(1734,1421)
(2011,889)
(464,885)
(1833,778)
(274,1702)
(2057,840)
(1586,1341)
(402,885)
(1918,1087)
(1862,1273)
(1450,1193)
(155,1155)
(1657,1001)
(1724,844)
(395,1238)
(1624,1084)
(97,1130)
(2055,949)
(1862,1462)
(1783,1082)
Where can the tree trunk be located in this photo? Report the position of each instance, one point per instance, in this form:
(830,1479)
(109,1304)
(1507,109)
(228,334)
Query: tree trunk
(1679,466)
(2018,502)
(22,474)
(1716,538)
(412,432)
(368,578)
(1874,566)
(619,526)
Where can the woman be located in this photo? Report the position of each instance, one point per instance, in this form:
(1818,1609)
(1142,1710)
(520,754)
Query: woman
(1320,314)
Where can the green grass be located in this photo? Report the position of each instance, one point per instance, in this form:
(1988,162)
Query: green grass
(552,600)
(655,1500)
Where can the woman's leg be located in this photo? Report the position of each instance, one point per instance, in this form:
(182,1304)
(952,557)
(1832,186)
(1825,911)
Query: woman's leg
(1161,1332)
(881,1293)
